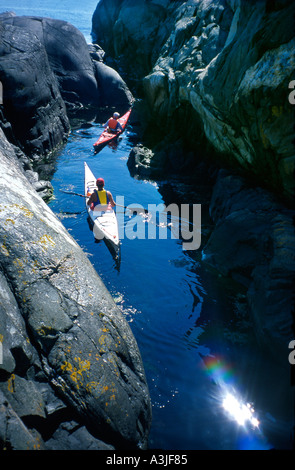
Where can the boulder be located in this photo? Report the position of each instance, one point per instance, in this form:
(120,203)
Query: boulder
(78,67)
(113,89)
(130,30)
(48,71)
(71,436)
(68,57)
(14,435)
(60,327)
(142,163)
(32,103)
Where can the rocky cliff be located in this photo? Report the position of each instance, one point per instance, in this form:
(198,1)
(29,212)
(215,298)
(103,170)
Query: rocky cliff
(48,71)
(71,374)
(70,362)
(213,72)
(215,77)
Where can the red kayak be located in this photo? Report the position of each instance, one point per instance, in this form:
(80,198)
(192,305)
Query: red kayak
(107,137)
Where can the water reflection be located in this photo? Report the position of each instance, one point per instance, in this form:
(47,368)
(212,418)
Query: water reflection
(242,413)
(192,328)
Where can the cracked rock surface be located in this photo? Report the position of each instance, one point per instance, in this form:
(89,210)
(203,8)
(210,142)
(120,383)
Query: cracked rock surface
(71,366)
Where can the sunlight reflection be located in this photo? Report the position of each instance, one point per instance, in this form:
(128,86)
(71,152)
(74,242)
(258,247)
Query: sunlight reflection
(242,413)
(233,405)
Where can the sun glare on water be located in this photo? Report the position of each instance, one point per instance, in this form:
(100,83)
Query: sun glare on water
(241,412)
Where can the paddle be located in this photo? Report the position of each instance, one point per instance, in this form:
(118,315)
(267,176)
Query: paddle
(132,209)
(71,192)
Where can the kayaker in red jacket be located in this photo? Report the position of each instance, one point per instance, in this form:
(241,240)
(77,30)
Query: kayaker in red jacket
(113,125)
(101,197)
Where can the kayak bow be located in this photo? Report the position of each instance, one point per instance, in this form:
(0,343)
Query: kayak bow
(107,137)
(105,224)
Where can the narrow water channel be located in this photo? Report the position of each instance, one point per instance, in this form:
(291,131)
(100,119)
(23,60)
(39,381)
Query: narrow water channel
(199,352)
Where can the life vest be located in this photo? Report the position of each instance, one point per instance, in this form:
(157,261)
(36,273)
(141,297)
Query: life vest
(102,199)
(112,124)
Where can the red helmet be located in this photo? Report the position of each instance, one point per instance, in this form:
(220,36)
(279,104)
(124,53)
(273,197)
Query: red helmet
(100,182)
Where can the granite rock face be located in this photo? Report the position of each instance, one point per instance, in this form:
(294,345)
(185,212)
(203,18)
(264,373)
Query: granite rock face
(71,367)
(71,374)
(32,103)
(112,88)
(73,63)
(68,57)
(48,72)
(132,30)
(216,72)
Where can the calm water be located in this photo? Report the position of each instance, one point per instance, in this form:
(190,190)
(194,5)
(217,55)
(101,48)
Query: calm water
(180,314)
(78,13)
(195,345)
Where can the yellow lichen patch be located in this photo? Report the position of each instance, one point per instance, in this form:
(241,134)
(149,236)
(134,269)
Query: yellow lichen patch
(76,373)
(102,339)
(19,264)
(26,212)
(4,250)
(37,446)
(91,386)
(44,331)
(9,221)
(10,383)
(96,387)
(1,338)
(98,390)
(47,240)
(113,362)
(36,266)
(113,396)
(43,242)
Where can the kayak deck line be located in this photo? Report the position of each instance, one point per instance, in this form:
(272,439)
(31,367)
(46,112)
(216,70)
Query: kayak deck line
(105,224)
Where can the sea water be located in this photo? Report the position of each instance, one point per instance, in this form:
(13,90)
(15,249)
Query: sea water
(78,13)
(211,385)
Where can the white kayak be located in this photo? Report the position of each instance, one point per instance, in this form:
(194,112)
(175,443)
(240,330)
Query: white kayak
(105,224)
